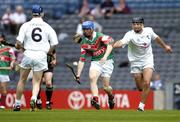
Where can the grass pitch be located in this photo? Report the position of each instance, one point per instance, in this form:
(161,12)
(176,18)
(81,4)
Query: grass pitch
(89,116)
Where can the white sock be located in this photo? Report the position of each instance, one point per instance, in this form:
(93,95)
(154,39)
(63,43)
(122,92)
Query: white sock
(141,105)
(18,102)
(34,98)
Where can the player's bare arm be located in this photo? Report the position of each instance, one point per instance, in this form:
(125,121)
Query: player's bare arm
(117,44)
(52,48)
(54,61)
(80,68)
(166,47)
(108,50)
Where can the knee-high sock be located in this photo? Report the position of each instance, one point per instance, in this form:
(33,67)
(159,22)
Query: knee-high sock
(49,92)
(3,99)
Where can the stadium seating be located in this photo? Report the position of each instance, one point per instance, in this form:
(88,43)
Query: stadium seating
(162,15)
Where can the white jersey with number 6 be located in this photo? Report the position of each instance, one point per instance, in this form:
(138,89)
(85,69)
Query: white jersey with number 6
(139,45)
(37,35)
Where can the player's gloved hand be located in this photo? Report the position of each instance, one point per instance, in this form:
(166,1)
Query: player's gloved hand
(17,67)
(77,38)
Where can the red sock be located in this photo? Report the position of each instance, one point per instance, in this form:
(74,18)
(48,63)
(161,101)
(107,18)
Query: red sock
(3,99)
(95,98)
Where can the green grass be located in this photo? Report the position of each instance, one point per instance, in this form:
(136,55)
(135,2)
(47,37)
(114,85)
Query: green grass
(89,116)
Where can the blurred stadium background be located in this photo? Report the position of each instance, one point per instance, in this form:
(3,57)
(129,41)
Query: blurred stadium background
(162,15)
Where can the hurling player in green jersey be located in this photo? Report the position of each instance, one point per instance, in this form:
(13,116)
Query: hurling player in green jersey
(99,47)
(7,59)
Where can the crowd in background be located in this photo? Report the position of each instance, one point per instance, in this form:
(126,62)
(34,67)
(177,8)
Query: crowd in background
(12,20)
(105,9)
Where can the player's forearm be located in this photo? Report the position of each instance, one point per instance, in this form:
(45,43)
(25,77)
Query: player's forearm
(80,68)
(117,44)
(160,42)
(54,56)
(52,48)
(108,51)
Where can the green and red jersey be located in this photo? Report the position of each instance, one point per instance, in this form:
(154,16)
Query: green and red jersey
(8,55)
(96,47)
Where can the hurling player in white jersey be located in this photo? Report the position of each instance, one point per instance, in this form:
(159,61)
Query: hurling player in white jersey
(140,55)
(38,39)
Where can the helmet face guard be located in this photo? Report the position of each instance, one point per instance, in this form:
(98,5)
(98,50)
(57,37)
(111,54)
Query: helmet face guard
(137,24)
(87,25)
